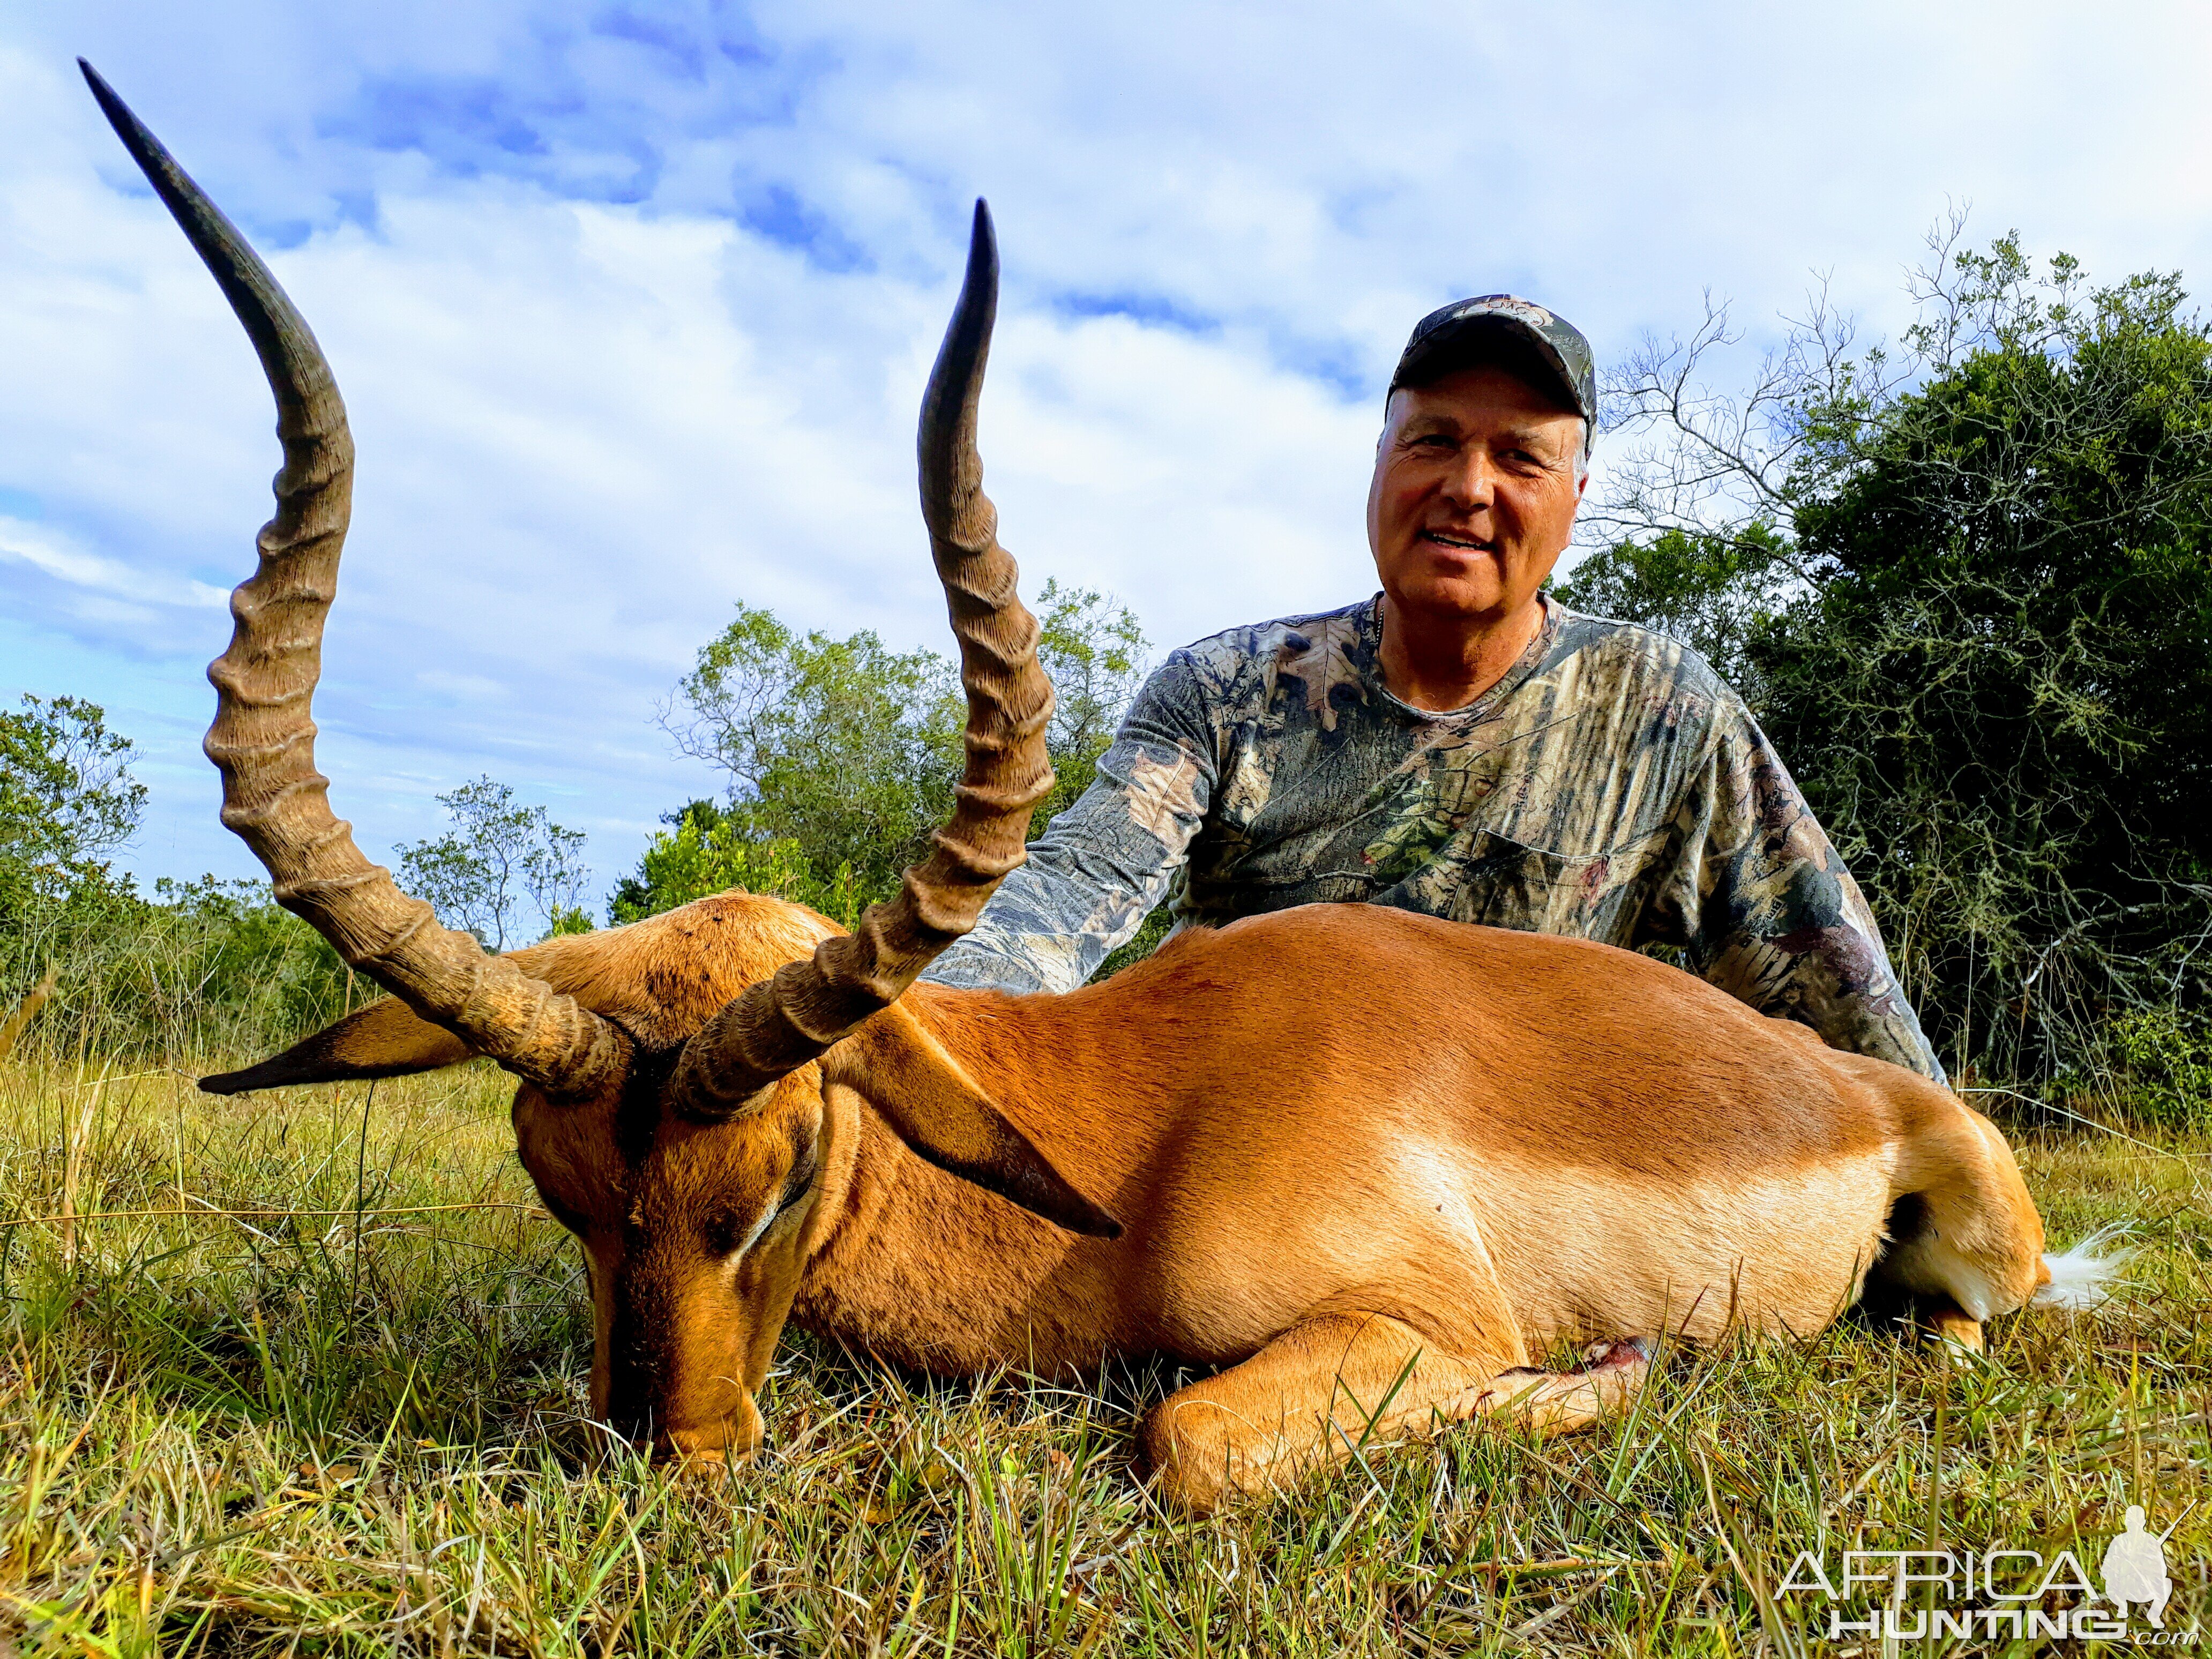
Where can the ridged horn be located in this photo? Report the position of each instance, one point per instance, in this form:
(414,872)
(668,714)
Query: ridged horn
(781,1023)
(263,740)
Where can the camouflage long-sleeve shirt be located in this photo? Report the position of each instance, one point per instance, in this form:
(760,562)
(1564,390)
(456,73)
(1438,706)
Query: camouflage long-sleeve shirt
(1609,787)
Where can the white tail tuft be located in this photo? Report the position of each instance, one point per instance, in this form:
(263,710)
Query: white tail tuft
(2081,1278)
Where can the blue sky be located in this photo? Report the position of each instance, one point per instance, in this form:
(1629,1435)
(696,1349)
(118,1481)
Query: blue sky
(632,305)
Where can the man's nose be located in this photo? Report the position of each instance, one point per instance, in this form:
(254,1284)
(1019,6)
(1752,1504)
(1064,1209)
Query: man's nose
(1472,484)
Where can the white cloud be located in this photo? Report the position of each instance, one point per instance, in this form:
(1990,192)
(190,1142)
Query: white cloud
(56,555)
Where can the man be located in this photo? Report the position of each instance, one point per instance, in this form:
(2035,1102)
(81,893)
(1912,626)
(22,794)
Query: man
(1461,744)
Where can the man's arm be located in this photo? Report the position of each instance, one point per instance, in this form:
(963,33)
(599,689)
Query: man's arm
(1762,905)
(1102,864)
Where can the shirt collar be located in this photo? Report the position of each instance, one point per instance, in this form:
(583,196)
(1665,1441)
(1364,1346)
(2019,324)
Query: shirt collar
(1538,649)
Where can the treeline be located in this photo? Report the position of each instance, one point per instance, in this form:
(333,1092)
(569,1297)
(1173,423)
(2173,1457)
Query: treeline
(209,967)
(1963,580)
(196,967)
(840,757)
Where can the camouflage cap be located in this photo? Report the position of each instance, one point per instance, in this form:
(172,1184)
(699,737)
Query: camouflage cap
(1542,347)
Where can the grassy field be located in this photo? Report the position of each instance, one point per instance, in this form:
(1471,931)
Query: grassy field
(346,1417)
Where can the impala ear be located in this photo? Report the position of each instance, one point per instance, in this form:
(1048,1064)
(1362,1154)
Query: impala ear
(897,1065)
(385,1039)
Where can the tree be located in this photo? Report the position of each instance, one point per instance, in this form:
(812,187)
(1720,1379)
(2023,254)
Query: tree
(68,801)
(1983,637)
(842,755)
(1712,591)
(478,875)
(1093,651)
(845,747)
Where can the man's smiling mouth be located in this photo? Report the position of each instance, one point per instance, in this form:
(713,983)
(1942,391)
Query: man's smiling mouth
(1458,544)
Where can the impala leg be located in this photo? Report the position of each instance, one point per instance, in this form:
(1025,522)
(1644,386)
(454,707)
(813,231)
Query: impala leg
(1344,1382)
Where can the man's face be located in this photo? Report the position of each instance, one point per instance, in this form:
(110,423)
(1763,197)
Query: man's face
(1474,494)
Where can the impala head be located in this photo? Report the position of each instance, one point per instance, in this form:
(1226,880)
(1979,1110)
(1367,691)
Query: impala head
(691,1087)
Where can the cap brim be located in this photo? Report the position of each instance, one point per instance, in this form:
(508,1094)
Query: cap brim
(1490,338)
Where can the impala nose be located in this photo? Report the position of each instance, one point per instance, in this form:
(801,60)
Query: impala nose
(723,1440)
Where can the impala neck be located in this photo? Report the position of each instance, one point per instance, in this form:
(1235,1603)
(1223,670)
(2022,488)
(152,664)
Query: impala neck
(930,1271)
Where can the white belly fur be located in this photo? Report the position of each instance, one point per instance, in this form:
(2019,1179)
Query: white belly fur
(1585,1253)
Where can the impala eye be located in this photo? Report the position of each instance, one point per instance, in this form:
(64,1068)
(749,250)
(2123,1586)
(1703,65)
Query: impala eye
(802,1182)
(724,1235)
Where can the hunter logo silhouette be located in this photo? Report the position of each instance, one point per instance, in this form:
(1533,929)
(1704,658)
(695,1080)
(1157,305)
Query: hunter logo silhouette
(2135,1569)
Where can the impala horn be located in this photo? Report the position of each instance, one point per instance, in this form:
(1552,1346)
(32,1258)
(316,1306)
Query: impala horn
(263,740)
(781,1023)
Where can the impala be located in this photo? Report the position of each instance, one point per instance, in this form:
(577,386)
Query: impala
(1361,1228)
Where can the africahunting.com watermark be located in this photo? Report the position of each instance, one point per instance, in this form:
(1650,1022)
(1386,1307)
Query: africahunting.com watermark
(1996,1591)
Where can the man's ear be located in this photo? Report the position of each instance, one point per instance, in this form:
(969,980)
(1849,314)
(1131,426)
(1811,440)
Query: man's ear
(898,1066)
(385,1039)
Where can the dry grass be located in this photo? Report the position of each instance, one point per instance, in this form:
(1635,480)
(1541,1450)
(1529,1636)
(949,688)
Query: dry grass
(357,1427)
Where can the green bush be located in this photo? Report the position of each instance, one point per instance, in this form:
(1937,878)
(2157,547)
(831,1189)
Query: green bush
(2168,1061)
(206,968)
(706,850)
